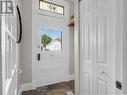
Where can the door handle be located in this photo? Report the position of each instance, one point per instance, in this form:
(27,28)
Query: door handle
(119,85)
(20,24)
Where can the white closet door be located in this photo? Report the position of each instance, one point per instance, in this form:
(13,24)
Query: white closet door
(104,47)
(86,50)
(97,22)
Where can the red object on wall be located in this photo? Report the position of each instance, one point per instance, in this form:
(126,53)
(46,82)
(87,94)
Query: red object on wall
(72,24)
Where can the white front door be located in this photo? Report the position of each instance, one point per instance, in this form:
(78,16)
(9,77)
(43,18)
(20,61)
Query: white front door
(50,59)
(97,29)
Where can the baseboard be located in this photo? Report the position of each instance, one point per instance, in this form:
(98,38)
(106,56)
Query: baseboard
(30,86)
(26,87)
(71,77)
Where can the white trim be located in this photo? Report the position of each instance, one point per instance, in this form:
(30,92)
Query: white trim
(27,86)
(76,48)
(1,87)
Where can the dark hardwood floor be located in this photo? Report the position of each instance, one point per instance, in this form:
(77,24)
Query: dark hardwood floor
(55,89)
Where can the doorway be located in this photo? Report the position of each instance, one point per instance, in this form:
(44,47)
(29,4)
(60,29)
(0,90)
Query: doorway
(52,43)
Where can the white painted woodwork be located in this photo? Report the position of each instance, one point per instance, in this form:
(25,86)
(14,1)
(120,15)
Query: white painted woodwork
(97,27)
(1,56)
(9,65)
(77,48)
(53,66)
(124,46)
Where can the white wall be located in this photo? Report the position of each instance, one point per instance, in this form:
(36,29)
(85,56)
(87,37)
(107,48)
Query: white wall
(26,43)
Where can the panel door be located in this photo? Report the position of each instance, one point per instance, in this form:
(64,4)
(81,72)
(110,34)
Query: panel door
(97,44)
(86,51)
(104,47)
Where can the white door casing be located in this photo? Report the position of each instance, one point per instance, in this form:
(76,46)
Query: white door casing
(53,66)
(97,22)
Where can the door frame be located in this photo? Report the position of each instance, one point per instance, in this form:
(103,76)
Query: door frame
(77,48)
(1,55)
(124,46)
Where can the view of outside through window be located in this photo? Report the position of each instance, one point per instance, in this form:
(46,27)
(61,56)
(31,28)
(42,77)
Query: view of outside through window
(51,40)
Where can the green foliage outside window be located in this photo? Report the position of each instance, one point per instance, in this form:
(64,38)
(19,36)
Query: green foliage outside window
(45,40)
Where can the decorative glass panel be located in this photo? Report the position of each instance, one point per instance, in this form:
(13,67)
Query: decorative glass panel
(51,7)
(51,40)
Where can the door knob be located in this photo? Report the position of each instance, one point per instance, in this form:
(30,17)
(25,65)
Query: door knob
(119,85)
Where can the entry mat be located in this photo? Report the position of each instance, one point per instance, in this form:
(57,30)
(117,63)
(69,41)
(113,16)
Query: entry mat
(63,88)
